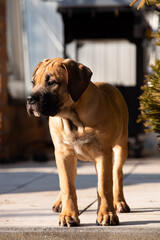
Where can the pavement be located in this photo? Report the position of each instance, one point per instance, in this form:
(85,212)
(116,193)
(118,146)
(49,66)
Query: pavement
(28,191)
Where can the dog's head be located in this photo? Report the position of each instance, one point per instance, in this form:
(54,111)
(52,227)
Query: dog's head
(57,84)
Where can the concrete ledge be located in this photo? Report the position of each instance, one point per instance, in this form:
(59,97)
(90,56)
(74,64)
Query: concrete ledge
(80,233)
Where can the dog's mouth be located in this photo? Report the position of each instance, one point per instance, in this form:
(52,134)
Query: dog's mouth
(32,109)
(43,105)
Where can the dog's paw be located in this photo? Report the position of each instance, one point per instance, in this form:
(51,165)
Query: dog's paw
(106,219)
(57,207)
(122,207)
(68,221)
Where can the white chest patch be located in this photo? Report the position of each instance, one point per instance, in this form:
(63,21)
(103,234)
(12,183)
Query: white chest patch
(79,144)
(78,149)
(76,146)
(81,140)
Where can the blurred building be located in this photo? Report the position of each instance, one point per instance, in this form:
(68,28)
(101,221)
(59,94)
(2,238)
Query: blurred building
(31,30)
(19,134)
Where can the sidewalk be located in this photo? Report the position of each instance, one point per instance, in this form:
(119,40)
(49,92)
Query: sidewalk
(28,191)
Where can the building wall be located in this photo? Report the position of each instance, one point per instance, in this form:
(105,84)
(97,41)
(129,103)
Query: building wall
(3,73)
(112,61)
(18,132)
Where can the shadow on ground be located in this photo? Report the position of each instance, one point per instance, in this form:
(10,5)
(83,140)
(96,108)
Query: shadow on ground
(20,182)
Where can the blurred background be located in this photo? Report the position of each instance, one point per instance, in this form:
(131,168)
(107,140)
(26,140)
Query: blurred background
(108,36)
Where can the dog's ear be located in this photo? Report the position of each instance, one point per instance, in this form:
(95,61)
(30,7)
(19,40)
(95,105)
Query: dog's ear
(78,78)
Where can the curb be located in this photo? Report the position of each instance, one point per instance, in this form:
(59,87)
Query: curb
(80,233)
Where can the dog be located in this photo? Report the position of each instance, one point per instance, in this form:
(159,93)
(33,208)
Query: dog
(87,121)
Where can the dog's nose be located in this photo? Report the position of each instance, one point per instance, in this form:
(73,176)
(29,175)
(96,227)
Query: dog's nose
(29,99)
(32,99)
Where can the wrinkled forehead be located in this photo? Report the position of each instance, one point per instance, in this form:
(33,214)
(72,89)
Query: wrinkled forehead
(50,67)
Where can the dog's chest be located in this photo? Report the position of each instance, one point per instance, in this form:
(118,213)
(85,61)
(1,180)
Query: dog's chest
(84,144)
(79,142)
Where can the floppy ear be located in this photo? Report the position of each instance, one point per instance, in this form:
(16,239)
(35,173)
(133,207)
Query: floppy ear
(78,78)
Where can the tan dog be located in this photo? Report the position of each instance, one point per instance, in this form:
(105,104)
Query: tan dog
(88,121)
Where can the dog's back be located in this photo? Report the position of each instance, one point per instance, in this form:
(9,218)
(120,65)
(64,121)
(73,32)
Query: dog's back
(113,93)
(116,98)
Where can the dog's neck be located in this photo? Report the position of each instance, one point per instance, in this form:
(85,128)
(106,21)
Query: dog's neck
(77,116)
(86,107)
(71,122)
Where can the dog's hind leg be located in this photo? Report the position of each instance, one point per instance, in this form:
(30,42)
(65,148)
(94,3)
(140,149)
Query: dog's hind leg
(120,155)
(57,206)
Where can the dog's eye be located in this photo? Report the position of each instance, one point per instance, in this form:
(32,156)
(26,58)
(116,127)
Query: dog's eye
(47,77)
(33,83)
(52,83)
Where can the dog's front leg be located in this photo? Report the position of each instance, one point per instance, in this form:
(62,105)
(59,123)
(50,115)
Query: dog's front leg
(66,163)
(106,212)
